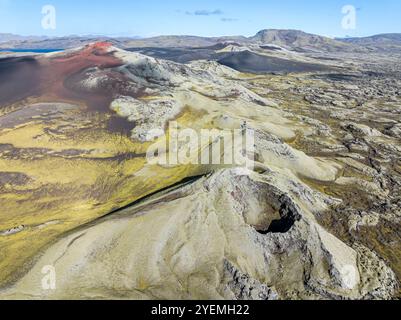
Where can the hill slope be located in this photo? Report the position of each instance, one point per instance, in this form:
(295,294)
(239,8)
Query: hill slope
(380,42)
(301,41)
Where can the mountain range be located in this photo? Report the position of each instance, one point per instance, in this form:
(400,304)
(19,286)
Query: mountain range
(388,42)
(289,39)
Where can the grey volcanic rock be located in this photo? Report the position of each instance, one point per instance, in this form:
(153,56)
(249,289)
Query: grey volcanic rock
(394,131)
(243,287)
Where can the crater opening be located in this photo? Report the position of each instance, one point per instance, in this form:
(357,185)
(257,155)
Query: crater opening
(281,220)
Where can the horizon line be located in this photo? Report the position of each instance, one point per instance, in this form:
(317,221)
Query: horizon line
(186,35)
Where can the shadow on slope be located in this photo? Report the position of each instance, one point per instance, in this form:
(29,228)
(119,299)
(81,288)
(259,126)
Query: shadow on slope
(247,61)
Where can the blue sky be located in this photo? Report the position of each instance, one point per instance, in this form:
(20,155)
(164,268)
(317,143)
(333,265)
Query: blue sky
(205,18)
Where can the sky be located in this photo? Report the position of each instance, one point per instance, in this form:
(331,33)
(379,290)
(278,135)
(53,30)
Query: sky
(147,18)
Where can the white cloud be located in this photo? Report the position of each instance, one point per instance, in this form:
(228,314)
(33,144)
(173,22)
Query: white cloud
(205,12)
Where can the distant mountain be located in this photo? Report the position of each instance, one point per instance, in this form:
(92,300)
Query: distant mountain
(171,41)
(380,42)
(9,37)
(301,41)
(289,39)
(53,43)
(183,41)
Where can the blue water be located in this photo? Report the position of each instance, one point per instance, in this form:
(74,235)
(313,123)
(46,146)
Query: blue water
(31,50)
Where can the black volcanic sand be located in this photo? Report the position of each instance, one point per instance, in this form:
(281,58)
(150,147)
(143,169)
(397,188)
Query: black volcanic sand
(342,77)
(271,48)
(247,61)
(18,79)
(244,61)
(179,55)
